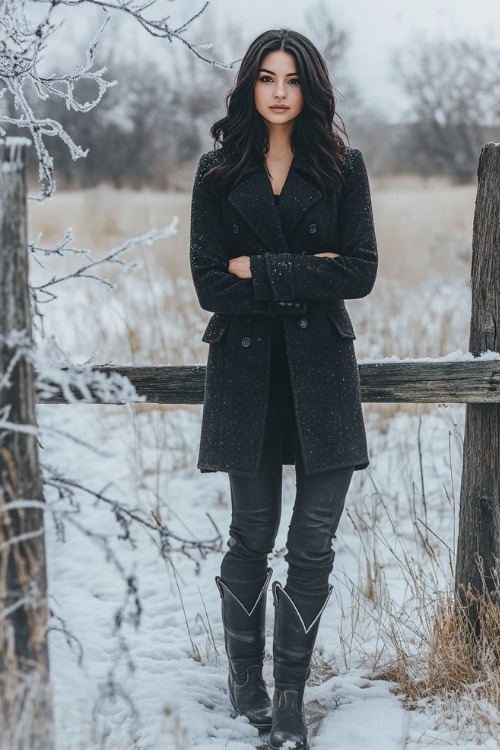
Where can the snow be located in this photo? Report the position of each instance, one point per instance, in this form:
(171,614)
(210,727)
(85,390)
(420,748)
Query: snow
(368,716)
(136,645)
(161,683)
(12,159)
(457,356)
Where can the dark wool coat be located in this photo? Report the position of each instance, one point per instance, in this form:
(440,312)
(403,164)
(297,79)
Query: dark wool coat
(307,292)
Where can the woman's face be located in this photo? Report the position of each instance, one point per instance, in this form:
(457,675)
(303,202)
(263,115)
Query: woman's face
(277,93)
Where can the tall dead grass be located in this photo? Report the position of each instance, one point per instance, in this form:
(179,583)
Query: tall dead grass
(424,227)
(419,307)
(454,659)
(448,665)
(440,650)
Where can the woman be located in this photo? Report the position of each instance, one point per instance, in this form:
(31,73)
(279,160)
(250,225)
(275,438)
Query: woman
(282,232)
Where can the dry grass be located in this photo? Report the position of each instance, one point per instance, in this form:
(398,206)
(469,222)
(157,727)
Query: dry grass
(103,218)
(445,662)
(419,307)
(422,640)
(424,233)
(152,316)
(424,227)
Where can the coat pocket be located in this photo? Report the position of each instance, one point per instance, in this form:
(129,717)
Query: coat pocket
(342,323)
(216,328)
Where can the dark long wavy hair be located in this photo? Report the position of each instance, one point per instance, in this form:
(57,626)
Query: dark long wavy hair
(242,133)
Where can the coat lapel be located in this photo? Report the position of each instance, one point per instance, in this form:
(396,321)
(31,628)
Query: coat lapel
(253,199)
(297,196)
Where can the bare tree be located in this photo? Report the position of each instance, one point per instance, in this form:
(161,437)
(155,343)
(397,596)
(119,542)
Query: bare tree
(330,38)
(453,89)
(155,117)
(27,34)
(333,42)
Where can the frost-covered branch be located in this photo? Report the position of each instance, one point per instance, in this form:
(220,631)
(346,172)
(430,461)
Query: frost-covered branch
(55,373)
(24,44)
(16,540)
(159,27)
(128,518)
(88,270)
(27,40)
(34,75)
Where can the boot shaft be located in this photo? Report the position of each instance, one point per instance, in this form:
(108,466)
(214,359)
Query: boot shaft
(293,647)
(293,641)
(245,638)
(244,631)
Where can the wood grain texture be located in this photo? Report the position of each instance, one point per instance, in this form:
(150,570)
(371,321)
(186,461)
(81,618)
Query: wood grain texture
(469,381)
(478,548)
(23,584)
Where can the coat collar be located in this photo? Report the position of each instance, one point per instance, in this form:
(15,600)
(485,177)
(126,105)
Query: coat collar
(253,199)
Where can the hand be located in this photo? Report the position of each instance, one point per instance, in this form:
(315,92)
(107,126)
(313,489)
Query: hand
(326,255)
(240,267)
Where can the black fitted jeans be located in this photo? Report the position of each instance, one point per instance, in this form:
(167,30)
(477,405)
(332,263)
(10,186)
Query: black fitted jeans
(256,512)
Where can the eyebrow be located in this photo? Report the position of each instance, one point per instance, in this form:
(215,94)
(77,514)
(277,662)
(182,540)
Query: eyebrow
(264,70)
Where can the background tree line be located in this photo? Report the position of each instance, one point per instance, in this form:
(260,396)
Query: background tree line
(150,128)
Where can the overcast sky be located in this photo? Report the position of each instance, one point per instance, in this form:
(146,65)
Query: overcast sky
(376,29)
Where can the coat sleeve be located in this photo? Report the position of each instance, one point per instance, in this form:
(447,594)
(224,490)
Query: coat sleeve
(287,276)
(217,289)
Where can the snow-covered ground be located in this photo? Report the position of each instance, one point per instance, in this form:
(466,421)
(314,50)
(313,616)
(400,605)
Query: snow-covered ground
(159,681)
(136,646)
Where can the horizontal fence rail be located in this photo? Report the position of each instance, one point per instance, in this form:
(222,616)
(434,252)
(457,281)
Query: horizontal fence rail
(422,381)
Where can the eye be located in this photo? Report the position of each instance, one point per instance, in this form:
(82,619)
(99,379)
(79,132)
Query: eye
(294,81)
(265,79)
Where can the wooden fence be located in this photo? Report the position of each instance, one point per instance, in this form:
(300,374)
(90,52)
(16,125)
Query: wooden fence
(460,382)
(25,708)
(475,382)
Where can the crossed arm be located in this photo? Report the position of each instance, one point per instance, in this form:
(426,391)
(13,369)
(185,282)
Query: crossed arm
(240,266)
(251,285)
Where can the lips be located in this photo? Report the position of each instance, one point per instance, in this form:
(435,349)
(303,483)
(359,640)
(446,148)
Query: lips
(280,108)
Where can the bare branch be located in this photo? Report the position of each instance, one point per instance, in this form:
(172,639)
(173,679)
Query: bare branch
(453,90)
(169,541)
(24,47)
(113,258)
(28,84)
(157,27)
(21,538)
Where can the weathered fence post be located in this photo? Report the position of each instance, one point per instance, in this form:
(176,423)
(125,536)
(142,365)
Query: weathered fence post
(478,550)
(26,713)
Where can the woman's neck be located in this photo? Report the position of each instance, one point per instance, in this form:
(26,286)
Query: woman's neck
(279,157)
(280,142)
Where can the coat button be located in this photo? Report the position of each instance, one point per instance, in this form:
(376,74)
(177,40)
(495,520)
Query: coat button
(236,229)
(246,341)
(312,228)
(303,323)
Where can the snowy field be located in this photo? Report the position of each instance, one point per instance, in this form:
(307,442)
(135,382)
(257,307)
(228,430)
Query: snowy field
(162,683)
(136,647)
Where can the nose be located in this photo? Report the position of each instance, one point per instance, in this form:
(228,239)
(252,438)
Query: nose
(279,90)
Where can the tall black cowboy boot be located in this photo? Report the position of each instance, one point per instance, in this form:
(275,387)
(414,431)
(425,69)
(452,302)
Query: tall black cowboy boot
(245,637)
(293,647)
